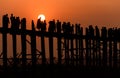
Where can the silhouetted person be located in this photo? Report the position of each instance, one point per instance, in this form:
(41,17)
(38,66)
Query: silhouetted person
(118,34)
(39,24)
(5,20)
(23,23)
(97,31)
(91,31)
(77,28)
(33,25)
(110,32)
(12,19)
(58,25)
(72,29)
(104,32)
(68,27)
(115,32)
(43,25)
(64,27)
(17,22)
(51,26)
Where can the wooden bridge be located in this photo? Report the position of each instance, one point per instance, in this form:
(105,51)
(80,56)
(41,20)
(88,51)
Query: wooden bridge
(95,48)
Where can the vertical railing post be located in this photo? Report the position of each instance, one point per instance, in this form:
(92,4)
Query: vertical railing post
(33,45)
(97,50)
(51,48)
(104,37)
(93,48)
(23,40)
(115,57)
(14,47)
(59,42)
(4,40)
(87,47)
(5,21)
(51,30)
(81,47)
(92,42)
(72,51)
(43,30)
(66,43)
(110,46)
(77,29)
(43,48)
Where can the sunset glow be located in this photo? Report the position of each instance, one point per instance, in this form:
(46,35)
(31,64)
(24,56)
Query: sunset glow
(41,17)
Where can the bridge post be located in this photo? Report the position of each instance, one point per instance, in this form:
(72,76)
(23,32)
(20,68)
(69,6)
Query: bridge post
(104,37)
(72,51)
(5,21)
(59,42)
(115,54)
(43,47)
(87,47)
(81,47)
(110,46)
(33,46)
(4,40)
(14,47)
(51,48)
(77,29)
(23,40)
(98,44)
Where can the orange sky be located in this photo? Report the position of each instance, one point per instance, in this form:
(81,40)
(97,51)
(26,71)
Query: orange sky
(95,12)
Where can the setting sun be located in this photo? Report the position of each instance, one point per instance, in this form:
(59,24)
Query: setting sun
(41,17)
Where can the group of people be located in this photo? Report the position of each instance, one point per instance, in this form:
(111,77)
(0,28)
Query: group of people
(41,25)
(14,21)
(54,26)
(65,27)
(5,21)
(104,32)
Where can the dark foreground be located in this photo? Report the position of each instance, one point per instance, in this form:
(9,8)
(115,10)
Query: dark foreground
(60,72)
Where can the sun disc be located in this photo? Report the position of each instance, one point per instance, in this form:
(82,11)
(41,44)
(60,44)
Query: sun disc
(41,17)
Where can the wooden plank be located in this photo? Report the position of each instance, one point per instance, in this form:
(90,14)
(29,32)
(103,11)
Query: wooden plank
(33,46)
(43,49)
(81,46)
(51,50)
(77,29)
(14,48)
(104,36)
(23,40)
(59,42)
(4,44)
